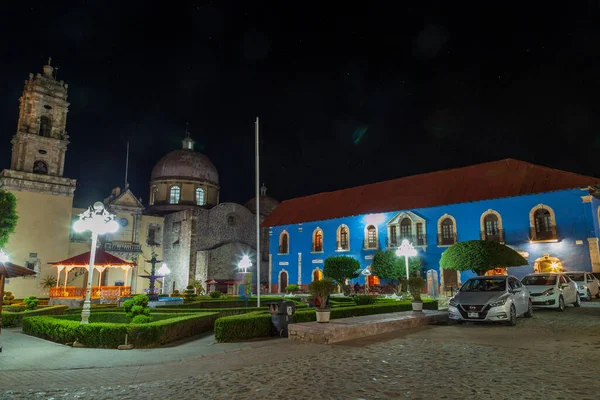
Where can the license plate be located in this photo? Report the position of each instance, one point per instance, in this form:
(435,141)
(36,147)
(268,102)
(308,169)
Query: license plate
(473,315)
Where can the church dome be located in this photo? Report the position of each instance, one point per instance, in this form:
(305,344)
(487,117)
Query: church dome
(266,203)
(186,164)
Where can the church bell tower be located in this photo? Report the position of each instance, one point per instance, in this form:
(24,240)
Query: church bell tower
(41,140)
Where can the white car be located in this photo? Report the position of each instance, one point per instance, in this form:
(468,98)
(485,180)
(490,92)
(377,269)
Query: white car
(587,284)
(552,290)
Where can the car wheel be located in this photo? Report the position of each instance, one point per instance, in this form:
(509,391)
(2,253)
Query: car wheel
(589,295)
(513,316)
(561,303)
(577,301)
(529,312)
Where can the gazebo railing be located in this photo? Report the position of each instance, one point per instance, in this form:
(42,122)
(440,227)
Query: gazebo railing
(97,292)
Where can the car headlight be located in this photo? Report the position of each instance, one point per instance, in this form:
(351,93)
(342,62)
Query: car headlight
(498,303)
(582,287)
(548,292)
(453,303)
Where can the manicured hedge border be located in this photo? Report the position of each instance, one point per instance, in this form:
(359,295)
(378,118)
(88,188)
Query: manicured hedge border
(111,335)
(12,319)
(258,324)
(233,303)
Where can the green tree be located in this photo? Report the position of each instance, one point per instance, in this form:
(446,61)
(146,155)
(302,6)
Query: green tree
(480,256)
(8,216)
(341,268)
(387,265)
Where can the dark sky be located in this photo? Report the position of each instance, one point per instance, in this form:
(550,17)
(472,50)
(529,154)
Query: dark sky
(428,84)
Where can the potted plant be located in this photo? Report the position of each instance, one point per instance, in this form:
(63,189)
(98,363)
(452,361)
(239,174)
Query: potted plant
(321,290)
(415,286)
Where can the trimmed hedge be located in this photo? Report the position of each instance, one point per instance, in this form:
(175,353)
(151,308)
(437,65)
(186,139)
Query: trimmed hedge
(95,307)
(258,324)
(11,319)
(111,335)
(231,303)
(117,318)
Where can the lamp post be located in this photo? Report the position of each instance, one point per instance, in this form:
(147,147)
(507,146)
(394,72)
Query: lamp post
(406,249)
(98,221)
(163,271)
(244,265)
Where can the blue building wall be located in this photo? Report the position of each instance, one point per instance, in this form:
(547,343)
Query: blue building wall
(576,221)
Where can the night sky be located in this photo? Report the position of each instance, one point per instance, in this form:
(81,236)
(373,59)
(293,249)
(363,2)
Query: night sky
(347,94)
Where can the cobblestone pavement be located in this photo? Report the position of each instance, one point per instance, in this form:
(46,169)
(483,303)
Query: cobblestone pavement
(552,356)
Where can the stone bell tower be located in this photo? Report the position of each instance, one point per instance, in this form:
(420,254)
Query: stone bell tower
(44,196)
(40,143)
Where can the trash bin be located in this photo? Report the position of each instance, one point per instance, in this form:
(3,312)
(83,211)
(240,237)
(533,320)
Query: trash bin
(282,313)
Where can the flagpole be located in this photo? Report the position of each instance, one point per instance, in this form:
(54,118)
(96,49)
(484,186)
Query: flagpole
(258,258)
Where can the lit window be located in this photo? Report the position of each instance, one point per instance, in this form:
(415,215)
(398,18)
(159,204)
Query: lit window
(175,195)
(371,237)
(199,196)
(318,241)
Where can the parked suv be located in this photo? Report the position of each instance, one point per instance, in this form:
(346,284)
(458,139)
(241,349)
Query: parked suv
(587,284)
(552,290)
(498,298)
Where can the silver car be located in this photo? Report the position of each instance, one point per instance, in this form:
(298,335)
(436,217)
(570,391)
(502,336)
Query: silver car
(497,298)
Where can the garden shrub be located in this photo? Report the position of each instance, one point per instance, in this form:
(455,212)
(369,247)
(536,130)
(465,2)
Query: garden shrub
(111,335)
(14,317)
(8,298)
(137,306)
(363,299)
(215,294)
(292,288)
(190,293)
(141,319)
(31,302)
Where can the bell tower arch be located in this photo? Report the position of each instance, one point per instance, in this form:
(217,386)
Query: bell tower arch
(40,144)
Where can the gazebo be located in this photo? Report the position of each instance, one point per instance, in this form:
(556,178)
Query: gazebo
(103,260)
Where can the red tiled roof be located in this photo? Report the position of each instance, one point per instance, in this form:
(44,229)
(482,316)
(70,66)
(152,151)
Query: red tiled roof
(504,178)
(102,258)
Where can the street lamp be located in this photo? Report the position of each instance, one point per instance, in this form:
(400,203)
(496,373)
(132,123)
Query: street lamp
(406,249)
(163,271)
(98,221)
(245,264)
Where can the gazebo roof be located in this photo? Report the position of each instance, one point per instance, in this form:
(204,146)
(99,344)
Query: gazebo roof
(103,258)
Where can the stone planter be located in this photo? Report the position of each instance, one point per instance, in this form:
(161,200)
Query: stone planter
(323,314)
(417,306)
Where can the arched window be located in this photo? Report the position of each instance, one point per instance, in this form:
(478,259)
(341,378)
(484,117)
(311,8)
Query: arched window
(371,237)
(45,126)
(317,274)
(343,238)
(318,240)
(446,231)
(40,167)
(543,224)
(174,195)
(406,229)
(200,197)
(492,231)
(284,244)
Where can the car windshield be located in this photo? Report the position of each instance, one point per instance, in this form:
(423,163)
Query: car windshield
(540,280)
(576,277)
(484,285)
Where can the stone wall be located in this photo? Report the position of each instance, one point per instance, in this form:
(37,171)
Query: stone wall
(177,235)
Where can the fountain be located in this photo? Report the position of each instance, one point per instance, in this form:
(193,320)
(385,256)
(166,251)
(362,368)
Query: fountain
(156,301)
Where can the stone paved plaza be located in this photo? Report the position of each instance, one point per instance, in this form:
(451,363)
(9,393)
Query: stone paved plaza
(552,356)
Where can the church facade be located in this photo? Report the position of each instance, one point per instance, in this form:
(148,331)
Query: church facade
(184,224)
(549,216)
